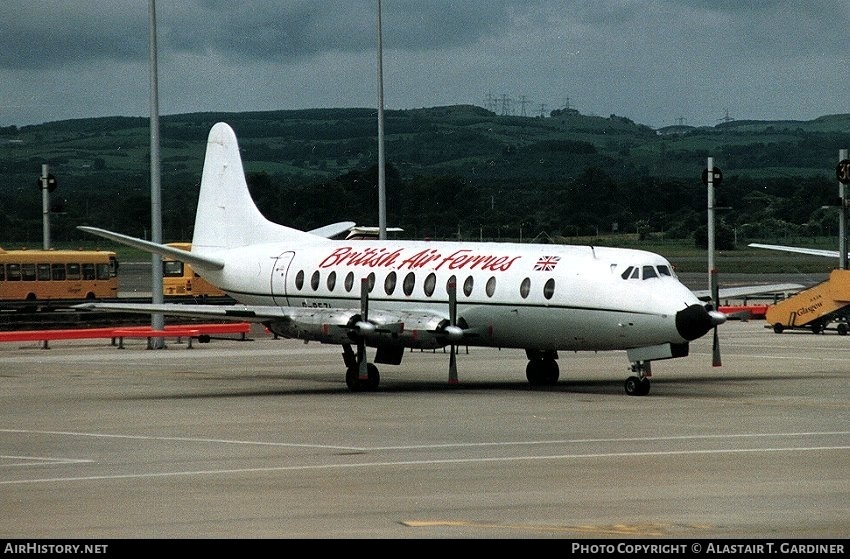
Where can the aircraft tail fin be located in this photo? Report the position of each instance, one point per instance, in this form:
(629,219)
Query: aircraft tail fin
(227,216)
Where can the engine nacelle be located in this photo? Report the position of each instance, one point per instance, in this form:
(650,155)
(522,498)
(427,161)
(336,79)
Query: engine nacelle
(335,326)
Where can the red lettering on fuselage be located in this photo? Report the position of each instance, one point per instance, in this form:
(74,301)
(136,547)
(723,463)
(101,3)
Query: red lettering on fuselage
(463,258)
(371,257)
(383,258)
(420,259)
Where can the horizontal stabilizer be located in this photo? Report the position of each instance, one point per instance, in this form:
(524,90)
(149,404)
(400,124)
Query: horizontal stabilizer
(333,229)
(193,259)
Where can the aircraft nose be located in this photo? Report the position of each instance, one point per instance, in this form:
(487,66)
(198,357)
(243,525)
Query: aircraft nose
(696,320)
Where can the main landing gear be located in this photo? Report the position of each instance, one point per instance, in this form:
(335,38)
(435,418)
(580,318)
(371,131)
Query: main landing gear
(638,385)
(359,374)
(542,368)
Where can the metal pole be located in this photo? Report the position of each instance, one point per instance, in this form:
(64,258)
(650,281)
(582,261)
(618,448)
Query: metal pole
(712,273)
(842,218)
(382,193)
(157,320)
(45,207)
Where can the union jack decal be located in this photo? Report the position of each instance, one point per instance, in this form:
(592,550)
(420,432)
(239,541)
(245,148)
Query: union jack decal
(547,263)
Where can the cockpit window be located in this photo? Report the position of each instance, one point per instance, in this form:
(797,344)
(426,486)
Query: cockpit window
(646,272)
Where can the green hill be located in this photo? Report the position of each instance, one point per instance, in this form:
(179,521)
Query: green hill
(452,171)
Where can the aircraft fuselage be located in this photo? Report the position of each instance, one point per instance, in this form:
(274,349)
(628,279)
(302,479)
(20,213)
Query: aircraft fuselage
(512,295)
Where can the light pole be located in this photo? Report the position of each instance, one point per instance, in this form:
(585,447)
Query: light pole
(382,188)
(157,320)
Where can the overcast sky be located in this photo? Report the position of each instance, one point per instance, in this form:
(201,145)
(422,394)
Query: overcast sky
(656,62)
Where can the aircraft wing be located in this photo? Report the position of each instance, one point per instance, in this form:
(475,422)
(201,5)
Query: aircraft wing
(745,290)
(330,325)
(798,250)
(241,313)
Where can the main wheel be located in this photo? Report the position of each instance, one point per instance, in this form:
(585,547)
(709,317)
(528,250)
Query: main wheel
(374,377)
(352,378)
(542,372)
(637,386)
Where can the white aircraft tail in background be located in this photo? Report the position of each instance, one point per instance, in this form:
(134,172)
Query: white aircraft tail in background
(392,295)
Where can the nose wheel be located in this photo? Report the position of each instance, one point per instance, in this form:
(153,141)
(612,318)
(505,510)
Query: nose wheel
(638,385)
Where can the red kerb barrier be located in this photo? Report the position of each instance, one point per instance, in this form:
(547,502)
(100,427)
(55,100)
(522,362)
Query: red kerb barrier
(190,331)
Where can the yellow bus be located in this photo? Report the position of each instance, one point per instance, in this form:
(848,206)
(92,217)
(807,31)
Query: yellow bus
(178,278)
(36,275)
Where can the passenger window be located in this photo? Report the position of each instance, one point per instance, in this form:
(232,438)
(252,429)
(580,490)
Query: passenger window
(525,288)
(430,284)
(409,282)
(299,280)
(349,282)
(314,280)
(649,272)
(627,272)
(467,286)
(57,271)
(331,281)
(28,272)
(491,286)
(370,280)
(73,271)
(43,272)
(549,288)
(389,283)
(172,269)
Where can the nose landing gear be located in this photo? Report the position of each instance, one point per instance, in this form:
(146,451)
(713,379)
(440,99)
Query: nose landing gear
(638,385)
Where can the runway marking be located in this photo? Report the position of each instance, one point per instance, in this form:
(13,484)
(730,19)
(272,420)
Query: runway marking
(317,467)
(645,529)
(773,357)
(40,460)
(434,446)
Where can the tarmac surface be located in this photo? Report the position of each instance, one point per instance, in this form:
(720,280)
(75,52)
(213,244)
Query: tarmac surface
(262,439)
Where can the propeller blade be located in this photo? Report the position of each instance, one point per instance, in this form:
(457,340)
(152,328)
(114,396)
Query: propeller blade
(364,299)
(362,363)
(451,287)
(716,350)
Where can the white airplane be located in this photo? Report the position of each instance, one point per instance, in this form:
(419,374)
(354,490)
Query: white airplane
(394,295)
